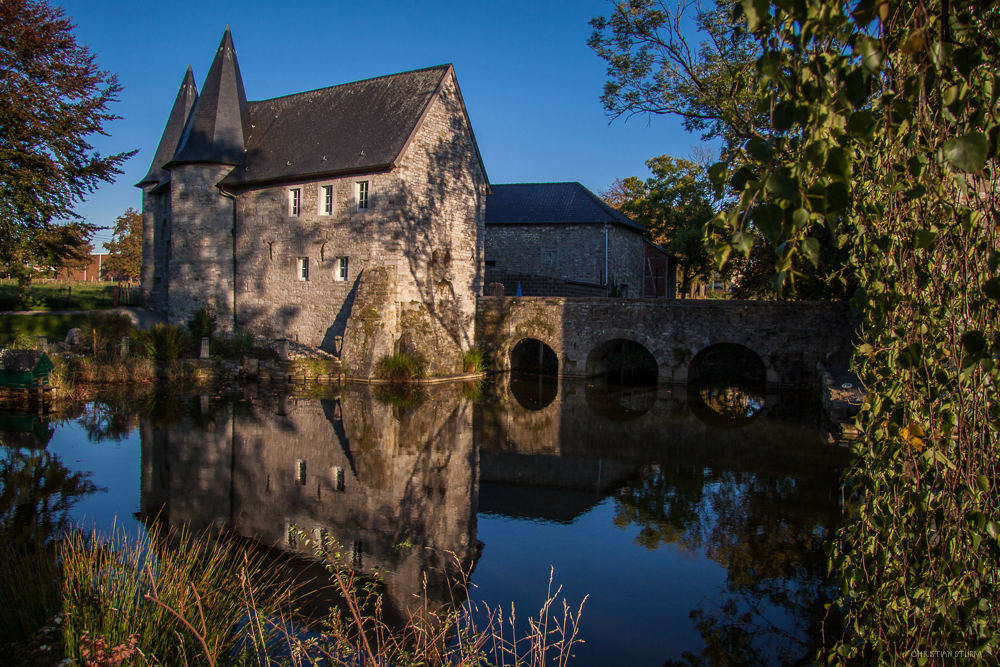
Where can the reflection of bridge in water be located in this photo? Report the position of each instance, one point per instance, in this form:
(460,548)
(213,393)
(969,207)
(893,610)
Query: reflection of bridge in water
(398,481)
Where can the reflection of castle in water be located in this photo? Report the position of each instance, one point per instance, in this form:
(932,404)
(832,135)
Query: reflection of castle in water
(396,487)
(398,482)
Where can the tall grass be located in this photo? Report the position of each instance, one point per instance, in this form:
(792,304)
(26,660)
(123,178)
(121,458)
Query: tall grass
(67,373)
(186,600)
(29,590)
(358,634)
(230,344)
(162,342)
(475,360)
(400,367)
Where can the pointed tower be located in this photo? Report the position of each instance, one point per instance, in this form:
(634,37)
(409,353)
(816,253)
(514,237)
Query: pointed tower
(220,122)
(155,198)
(202,257)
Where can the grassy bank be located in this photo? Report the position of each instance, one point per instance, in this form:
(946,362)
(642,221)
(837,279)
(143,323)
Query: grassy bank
(168,598)
(61,295)
(30,326)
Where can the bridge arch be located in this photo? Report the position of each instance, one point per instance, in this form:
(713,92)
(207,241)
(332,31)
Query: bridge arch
(534,356)
(631,360)
(730,360)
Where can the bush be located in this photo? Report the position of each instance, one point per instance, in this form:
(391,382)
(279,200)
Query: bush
(400,367)
(202,323)
(162,342)
(230,344)
(104,330)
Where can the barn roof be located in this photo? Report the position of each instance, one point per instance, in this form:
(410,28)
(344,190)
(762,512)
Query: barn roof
(551,203)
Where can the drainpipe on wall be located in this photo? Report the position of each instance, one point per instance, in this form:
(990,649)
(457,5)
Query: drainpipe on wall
(228,195)
(606,277)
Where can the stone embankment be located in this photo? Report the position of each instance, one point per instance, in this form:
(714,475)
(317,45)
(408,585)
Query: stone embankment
(841,392)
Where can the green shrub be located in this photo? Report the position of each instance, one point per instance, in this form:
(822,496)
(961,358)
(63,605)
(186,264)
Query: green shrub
(162,342)
(230,344)
(202,323)
(400,367)
(104,330)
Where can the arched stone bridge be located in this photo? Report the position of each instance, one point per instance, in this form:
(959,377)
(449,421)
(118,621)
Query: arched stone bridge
(789,337)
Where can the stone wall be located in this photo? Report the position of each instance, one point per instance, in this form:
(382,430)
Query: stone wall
(790,337)
(578,248)
(535,285)
(200,269)
(153,276)
(425,219)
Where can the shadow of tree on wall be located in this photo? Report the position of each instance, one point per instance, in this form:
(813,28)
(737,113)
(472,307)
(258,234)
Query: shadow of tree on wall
(425,217)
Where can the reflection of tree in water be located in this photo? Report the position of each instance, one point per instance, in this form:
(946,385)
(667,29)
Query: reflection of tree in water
(767,535)
(36,494)
(731,400)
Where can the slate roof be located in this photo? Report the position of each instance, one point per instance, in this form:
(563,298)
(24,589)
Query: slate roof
(360,126)
(186,97)
(219,124)
(551,203)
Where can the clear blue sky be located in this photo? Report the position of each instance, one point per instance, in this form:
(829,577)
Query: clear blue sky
(531,84)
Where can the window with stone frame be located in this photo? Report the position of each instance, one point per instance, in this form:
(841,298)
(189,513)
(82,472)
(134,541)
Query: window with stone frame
(342,271)
(362,195)
(303,269)
(294,202)
(549,259)
(326,200)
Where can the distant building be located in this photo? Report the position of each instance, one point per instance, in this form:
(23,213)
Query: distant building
(560,239)
(94,271)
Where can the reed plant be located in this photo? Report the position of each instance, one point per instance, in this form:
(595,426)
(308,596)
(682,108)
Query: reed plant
(185,600)
(29,590)
(357,632)
(400,367)
(162,343)
(476,360)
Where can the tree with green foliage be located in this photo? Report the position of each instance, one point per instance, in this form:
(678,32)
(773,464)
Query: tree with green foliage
(674,205)
(653,68)
(125,246)
(52,97)
(883,128)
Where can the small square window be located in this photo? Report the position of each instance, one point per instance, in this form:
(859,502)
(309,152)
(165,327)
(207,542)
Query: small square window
(294,202)
(326,204)
(303,268)
(362,195)
(342,273)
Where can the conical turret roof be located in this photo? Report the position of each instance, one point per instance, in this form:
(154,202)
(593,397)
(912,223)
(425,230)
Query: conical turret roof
(219,126)
(186,98)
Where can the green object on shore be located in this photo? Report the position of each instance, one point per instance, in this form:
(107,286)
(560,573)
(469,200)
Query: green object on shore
(24,369)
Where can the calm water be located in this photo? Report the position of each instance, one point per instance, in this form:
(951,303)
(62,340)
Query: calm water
(693,518)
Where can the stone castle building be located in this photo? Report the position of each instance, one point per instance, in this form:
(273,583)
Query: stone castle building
(351,218)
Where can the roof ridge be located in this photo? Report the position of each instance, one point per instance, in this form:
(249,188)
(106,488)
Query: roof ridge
(350,83)
(547,183)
